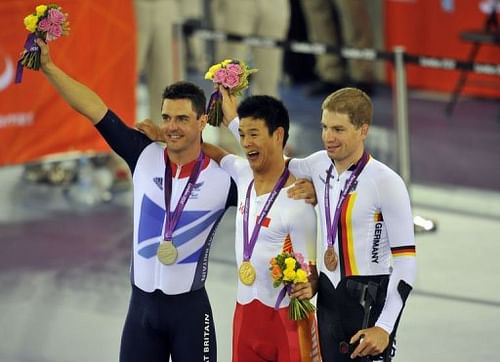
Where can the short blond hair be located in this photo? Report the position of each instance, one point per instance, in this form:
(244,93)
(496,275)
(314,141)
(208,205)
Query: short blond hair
(353,102)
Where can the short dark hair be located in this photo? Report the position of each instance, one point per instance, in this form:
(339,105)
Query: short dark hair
(269,109)
(187,90)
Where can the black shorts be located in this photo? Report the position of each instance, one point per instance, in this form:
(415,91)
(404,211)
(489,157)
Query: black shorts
(159,326)
(340,315)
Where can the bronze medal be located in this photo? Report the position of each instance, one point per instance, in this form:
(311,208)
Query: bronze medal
(331,260)
(247,273)
(167,253)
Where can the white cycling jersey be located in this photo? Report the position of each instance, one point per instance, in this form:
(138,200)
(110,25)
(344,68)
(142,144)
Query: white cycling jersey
(287,218)
(375,234)
(193,233)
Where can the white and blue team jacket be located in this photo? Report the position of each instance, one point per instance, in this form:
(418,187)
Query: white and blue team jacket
(212,194)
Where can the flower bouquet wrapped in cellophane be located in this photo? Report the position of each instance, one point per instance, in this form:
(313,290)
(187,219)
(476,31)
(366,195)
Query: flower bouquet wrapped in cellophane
(286,269)
(231,74)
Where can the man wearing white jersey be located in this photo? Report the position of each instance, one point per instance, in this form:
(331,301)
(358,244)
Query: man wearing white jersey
(268,223)
(176,212)
(367,253)
(368,264)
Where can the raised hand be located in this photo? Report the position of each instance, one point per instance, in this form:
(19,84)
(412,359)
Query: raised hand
(229,105)
(45,60)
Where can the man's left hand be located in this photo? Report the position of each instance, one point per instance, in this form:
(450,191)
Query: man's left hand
(303,190)
(372,341)
(306,290)
(302,291)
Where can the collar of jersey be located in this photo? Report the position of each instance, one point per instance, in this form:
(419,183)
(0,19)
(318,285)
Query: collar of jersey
(353,166)
(188,167)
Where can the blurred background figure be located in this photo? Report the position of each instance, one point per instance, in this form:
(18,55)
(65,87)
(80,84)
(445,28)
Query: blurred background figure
(193,14)
(258,18)
(155,43)
(252,18)
(340,23)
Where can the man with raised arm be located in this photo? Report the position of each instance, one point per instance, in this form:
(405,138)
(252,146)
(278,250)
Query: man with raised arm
(176,212)
(268,223)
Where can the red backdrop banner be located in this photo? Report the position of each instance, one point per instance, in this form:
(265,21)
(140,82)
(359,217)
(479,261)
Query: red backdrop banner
(99,52)
(432,28)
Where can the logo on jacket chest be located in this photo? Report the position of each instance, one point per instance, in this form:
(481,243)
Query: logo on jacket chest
(332,178)
(158,181)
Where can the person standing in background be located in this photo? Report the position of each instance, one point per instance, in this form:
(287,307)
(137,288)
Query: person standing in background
(155,20)
(356,31)
(261,18)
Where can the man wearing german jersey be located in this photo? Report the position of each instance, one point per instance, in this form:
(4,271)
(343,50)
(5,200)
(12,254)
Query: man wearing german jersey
(367,254)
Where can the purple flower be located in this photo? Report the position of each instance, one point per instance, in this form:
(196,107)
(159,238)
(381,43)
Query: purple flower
(55,16)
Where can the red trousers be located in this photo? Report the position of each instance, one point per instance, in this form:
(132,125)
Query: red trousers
(263,334)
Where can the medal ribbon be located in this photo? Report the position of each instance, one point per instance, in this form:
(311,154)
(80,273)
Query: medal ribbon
(331,228)
(171,219)
(249,244)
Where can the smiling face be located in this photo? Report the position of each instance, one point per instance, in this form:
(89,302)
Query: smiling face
(261,148)
(182,128)
(342,140)
(345,120)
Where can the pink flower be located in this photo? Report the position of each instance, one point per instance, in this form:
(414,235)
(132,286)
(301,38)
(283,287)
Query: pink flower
(55,16)
(44,25)
(220,76)
(236,68)
(54,32)
(300,259)
(232,80)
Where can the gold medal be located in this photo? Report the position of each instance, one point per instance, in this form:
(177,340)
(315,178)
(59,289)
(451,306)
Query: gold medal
(247,273)
(331,260)
(167,253)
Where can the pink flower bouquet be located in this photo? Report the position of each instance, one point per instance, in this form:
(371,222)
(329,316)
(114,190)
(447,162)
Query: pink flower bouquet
(231,74)
(48,22)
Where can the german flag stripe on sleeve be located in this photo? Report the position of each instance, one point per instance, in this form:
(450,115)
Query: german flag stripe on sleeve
(408,250)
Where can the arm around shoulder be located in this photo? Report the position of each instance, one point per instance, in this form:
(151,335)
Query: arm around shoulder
(214,152)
